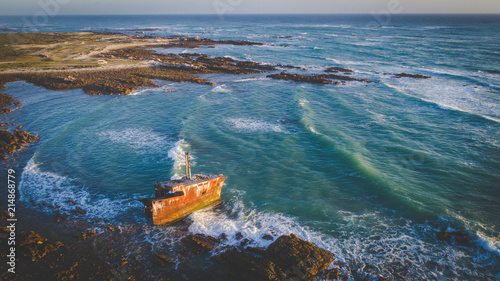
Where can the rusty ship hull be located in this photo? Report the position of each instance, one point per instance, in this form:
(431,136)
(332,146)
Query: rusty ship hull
(176,199)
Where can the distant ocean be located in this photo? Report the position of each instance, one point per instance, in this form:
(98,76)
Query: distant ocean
(372,172)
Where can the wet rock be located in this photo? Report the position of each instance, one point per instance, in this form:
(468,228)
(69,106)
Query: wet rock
(338,69)
(267,237)
(35,247)
(287,258)
(414,76)
(86,235)
(315,78)
(12,142)
(246,266)
(239,236)
(332,274)
(454,237)
(256,250)
(245,242)
(70,201)
(200,243)
(80,210)
(223,237)
(7,101)
(301,257)
(163,260)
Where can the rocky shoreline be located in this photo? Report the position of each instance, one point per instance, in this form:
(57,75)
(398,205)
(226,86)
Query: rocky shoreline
(58,257)
(12,139)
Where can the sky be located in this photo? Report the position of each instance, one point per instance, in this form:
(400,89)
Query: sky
(86,7)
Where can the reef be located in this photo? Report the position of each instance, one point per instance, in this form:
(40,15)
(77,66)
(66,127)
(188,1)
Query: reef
(7,103)
(111,82)
(338,69)
(316,78)
(414,76)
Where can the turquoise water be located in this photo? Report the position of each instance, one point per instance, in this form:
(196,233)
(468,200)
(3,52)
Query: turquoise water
(371,172)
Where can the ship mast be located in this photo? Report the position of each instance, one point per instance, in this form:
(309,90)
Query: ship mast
(188,166)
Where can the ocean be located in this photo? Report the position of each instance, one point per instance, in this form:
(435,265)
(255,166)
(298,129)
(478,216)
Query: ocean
(371,172)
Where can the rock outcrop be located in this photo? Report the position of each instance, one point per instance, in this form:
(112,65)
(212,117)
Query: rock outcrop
(287,258)
(338,69)
(10,142)
(200,243)
(414,76)
(316,78)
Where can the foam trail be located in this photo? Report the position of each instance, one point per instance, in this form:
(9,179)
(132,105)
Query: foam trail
(253,79)
(250,125)
(307,122)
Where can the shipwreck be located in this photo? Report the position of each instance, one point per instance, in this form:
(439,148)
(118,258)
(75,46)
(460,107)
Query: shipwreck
(176,199)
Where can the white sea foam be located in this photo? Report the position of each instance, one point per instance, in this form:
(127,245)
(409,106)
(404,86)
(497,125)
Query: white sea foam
(177,153)
(348,62)
(54,192)
(141,140)
(370,243)
(304,103)
(449,97)
(253,79)
(139,92)
(251,125)
(221,89)
(253,225)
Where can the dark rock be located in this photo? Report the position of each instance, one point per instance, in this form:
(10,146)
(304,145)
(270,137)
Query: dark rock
(35,247)
(454,237)
(86,235)
(338,69)
(110,227)
(407,75)
(200,243)
(239,235)
(256,250)
(11,142)
(300,257)
(315,78)
(267,237)
(223,237)
(163,260)
(245,242)
(80,210)
(332,274)
(248,267)
(287,258)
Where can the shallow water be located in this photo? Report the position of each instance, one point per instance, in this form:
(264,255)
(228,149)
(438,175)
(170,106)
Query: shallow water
(369,171)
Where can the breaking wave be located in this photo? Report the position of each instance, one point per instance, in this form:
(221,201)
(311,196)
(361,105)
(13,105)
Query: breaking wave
(250,125)
(177,153)
(56,193)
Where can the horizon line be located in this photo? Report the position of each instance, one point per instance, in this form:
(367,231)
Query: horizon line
(263,14)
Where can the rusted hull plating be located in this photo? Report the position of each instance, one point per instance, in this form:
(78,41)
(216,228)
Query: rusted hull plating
(189,198)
